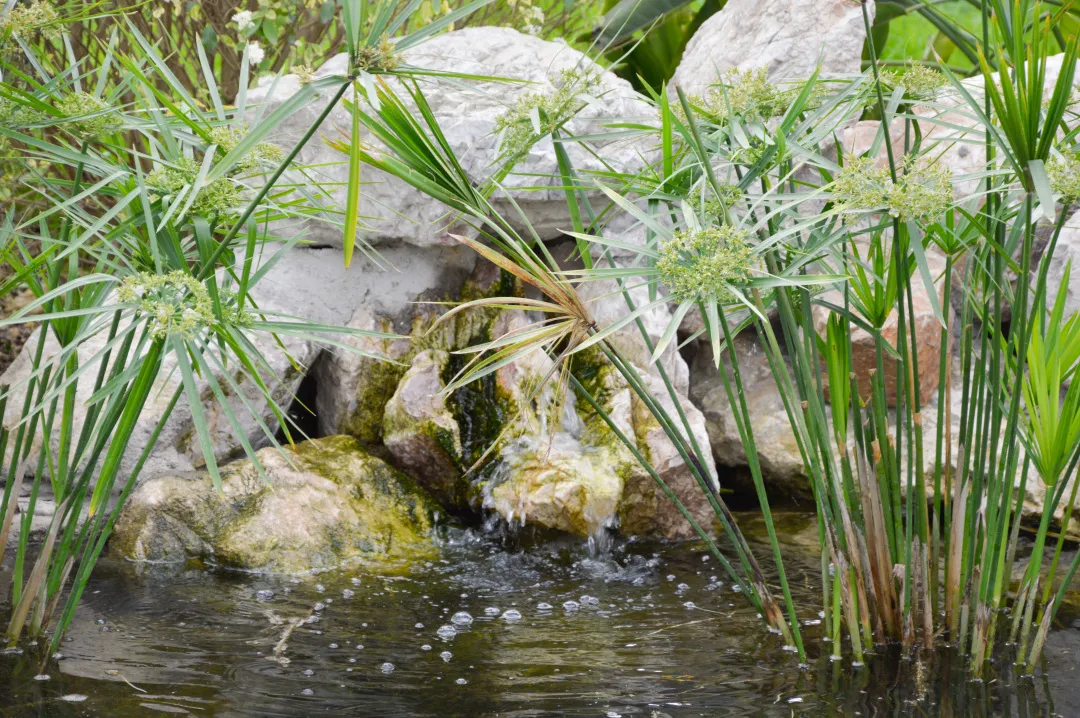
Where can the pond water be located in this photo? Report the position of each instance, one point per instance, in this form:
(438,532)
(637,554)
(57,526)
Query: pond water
(499,626)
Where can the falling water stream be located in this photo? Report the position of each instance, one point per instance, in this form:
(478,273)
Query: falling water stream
(503,624)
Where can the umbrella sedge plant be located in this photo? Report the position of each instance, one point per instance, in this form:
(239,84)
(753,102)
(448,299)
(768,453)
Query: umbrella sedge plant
(751,218)
(153,228)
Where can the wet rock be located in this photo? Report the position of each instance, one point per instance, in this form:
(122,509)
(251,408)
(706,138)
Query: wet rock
(420,431)
(354,388)
(556,463)
(394,212)
(556,482)
(789,37)
(328,503)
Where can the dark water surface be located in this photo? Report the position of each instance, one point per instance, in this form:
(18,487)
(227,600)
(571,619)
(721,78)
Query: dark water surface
(654,630)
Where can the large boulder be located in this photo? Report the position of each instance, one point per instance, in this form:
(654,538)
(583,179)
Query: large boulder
(1066,253)
(310,284)
(778,452)
(790,38)
(324,504)
(394,212)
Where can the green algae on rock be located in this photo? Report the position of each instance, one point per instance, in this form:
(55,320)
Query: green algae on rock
(328,503)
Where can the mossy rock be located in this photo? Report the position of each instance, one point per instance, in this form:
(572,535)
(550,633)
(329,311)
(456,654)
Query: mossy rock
(328,503)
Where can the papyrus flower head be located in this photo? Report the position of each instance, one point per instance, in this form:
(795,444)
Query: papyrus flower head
(696,264)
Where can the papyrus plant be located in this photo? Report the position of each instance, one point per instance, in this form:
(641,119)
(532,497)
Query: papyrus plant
(749,216)
(150,226)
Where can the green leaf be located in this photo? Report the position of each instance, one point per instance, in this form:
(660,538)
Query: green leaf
(352,203)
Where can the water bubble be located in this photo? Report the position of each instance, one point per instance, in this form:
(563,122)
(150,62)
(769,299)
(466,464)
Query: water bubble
(671,577)
(348,593)
(461,618)
(461,681)
(101,622)
(418,625)
(355,581)
(309,672)
(352,660)
(319,588)
(307,692)
(446,632)
(446,656)
(544,606)
(491,611)
(512,615)
(796,699)
(683,587)
(571,605)
(333,645)
(264,595)
(359,646)
(425,647)
(320,606)
(590,601)
(73,698)
(42,677)
(613,714)
(387,667)
(690,604)
(639,581)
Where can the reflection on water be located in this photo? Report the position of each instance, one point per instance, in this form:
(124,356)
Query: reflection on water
(644,630)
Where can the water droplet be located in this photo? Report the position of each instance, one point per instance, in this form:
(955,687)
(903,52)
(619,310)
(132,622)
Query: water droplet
(348,593)
(796,699)
(307,692)
(264,595)
(690,604)
(355,581)
(352,660)
(319,588)
(359,646)
(387,667)
(42,677)
(73,698)
(571,605)
(461,618)
(461,681)
(418,625)
(446,632)
(544,606)
(309,672)
(446,656)
(320,606)
(491,611)
(683,587)
(512,615)
(671,577)
(333,645)
(425,647)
